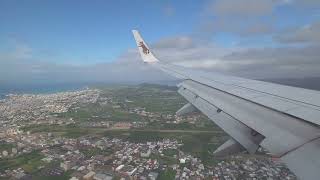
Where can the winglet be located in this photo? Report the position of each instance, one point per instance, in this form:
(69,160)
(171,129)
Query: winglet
(144,50)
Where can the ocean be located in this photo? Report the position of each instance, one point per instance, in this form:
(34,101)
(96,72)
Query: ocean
(38,89)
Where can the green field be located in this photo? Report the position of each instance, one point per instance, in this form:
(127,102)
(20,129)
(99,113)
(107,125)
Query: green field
(203,125)
(95,151)
(199,139)
(29,162)
(4,146)
(70,131)
(168,174)
(97,112)
(163,100)
(199,143)
(170,152)
(155,98)
(42,175)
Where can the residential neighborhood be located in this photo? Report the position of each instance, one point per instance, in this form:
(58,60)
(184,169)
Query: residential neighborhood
(76,135)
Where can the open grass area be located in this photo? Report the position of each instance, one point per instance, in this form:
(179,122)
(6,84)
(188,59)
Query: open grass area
(44,175)
(168,174)
(4,146)
(167,160)
(29,162)
(97,112)
(204,125)
(170,152)
(65,176)
(200,139)
(200,144)
(155,98)
(95,151)
(71,131)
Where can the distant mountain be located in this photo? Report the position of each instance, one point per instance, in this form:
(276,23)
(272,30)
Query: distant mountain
(306,82)
(158,86)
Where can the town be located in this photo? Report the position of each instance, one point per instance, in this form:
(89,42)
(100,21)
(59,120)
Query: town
(100,134)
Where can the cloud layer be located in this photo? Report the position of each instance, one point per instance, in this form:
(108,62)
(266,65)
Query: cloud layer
(281,62)
(295,51)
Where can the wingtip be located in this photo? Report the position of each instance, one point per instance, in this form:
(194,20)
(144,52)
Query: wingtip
(144,50)
(134,31)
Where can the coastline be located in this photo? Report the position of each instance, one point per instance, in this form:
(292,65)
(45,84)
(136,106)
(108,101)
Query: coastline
(6,90)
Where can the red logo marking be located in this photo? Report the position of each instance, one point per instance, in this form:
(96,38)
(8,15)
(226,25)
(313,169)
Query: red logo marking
(145,50)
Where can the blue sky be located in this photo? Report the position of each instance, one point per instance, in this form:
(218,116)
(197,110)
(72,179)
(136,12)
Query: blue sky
(42,37)
(99,31)
(78,31)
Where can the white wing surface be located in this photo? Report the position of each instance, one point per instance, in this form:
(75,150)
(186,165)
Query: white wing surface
(282,119)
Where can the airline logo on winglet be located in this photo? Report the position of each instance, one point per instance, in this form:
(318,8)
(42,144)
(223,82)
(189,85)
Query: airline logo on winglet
(144,48)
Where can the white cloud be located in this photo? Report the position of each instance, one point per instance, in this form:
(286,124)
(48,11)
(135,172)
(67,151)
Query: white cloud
(184,51)
(18,50)
(282,62)
(241,7)
(169,10)
(306,34)
(22,51)
(242,17)
(305,3)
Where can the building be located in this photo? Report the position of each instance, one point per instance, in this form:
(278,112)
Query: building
(14,151)
(89,176)
(128,170)
(5,153)
(101,176)
(119,167)
(65,165)
(153,175)
(122,125)
(145,154)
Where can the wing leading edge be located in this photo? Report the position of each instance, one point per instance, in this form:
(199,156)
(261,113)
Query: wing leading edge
(282,119)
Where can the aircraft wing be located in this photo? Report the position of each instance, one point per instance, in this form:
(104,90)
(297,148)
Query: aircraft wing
(282,119)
